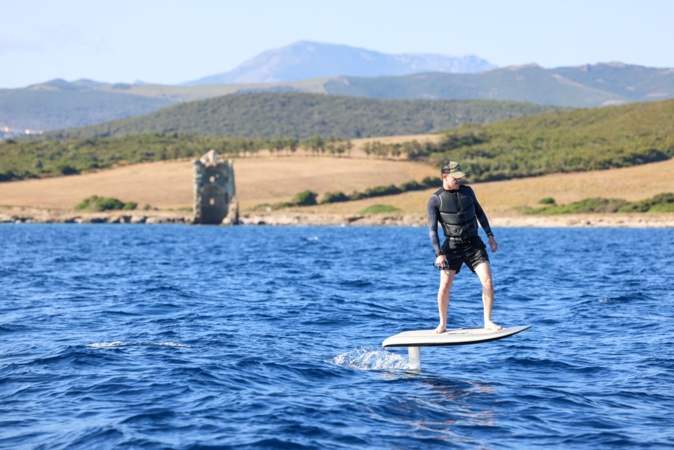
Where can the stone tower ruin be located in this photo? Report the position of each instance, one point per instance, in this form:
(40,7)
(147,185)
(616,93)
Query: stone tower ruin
(215,200)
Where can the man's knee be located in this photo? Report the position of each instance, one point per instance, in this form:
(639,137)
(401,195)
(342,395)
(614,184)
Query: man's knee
(446,284)
(485,277)
(445,287)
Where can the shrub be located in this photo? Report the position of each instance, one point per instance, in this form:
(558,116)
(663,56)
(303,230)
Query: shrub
(109,204)
(547,201)
(357,196)
(597,205)
(98,204)
(7,176)
(380,191)
(304,198)
(662,203)
(335,197)
(412,186)
(430,182)
(588,205)
(67,170)
(659,203)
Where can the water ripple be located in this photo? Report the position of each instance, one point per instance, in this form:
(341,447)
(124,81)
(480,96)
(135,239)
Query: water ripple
(269,337)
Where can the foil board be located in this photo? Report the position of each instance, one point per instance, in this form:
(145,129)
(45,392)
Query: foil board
(457,336)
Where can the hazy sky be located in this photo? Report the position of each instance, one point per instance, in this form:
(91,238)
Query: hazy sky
(170,41)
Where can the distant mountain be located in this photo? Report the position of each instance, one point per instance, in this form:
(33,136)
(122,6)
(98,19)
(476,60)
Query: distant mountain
(59,104)
(301,115)
(584,86)
(632,83)
(304,60)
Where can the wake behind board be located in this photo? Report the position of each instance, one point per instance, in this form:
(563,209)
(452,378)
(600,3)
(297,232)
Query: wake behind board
(458,336)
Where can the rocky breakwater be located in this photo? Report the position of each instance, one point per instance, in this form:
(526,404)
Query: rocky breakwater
(331,219)
(29,215)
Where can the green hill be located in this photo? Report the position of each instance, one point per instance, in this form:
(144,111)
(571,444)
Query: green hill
(563,141)
(299,115)
(59,104)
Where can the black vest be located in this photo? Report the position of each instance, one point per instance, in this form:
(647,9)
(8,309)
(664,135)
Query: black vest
(457,213)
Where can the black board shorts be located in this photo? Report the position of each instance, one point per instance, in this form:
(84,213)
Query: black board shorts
(472,252)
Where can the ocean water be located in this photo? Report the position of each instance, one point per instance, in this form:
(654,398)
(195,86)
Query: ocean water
(179,337)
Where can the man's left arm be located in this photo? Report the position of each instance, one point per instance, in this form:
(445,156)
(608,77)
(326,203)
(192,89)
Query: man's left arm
(484,222)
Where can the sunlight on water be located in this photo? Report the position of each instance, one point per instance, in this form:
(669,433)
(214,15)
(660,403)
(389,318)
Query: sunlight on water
(365,359)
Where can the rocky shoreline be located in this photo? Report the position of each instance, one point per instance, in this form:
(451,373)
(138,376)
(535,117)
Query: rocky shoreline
(29,215)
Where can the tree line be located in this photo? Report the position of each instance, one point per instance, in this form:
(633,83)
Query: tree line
(308,197)
(22,159)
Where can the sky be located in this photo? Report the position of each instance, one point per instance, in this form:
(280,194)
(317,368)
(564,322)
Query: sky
(172,42)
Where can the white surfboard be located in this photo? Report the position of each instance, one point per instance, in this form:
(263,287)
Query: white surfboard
(458,336)
(415,339)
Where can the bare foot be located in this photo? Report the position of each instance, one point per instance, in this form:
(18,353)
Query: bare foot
(492,326)
(441,328)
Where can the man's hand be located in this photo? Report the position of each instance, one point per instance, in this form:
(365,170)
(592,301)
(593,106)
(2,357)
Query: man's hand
(441,261)
(493,244)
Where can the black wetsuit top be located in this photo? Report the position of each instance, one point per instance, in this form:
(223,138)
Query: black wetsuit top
(434,216)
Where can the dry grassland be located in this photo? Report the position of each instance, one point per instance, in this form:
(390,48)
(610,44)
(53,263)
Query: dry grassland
(272,179)
(258,180)
(507,197)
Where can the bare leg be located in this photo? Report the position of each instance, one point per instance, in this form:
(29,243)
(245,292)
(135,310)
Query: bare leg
(483,272)
(446,280)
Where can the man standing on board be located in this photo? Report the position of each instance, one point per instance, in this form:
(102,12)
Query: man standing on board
(456,209)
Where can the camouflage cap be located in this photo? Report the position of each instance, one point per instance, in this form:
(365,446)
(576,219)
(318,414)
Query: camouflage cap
(453,168)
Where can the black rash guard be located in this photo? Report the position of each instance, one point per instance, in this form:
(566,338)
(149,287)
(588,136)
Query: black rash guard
(433,210)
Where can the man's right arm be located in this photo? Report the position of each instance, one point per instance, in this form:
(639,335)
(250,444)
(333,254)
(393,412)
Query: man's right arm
(433,210)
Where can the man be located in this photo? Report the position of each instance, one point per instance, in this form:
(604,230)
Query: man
(455,207)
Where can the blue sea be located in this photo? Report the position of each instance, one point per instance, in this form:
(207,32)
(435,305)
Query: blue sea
(185,337)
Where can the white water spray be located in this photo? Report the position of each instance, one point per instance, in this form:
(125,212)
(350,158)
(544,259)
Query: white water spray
(366,359)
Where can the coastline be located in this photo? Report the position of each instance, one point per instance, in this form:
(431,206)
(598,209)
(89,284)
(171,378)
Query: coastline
(10,215)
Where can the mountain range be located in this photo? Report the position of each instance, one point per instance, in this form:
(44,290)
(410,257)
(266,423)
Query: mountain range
(575,87)
(303,60)
(59,104)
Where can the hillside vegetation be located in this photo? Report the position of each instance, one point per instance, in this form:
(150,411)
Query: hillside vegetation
(661,203)
(301,116)
(569,141)
(557,142)
(46,158)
